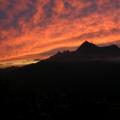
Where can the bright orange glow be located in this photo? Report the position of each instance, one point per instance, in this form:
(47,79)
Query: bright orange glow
(30,29)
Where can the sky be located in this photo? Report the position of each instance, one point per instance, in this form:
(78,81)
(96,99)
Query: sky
(37,29)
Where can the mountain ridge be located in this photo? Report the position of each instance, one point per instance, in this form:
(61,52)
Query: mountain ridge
(87,51)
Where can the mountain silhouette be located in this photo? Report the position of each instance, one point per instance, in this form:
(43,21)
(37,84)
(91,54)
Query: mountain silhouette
(87,52)
(87,46)
(37,87)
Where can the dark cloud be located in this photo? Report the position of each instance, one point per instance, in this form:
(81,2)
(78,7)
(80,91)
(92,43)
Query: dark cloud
(48,9)
(2,14)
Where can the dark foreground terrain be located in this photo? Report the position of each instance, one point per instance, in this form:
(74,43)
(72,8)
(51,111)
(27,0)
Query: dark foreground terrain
(55,91)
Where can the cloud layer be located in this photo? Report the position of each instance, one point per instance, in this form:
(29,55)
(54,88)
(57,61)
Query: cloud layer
(32,27)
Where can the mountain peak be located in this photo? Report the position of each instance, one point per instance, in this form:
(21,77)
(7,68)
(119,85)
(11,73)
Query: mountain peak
(87,45)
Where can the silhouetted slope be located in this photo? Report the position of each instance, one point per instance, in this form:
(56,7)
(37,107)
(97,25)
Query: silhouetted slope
(68,70)
(87,52)
(55,90)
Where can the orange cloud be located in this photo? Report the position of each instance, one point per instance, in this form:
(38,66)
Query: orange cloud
(32,28)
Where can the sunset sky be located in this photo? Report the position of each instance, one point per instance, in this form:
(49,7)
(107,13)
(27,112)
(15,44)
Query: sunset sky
(36,29)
